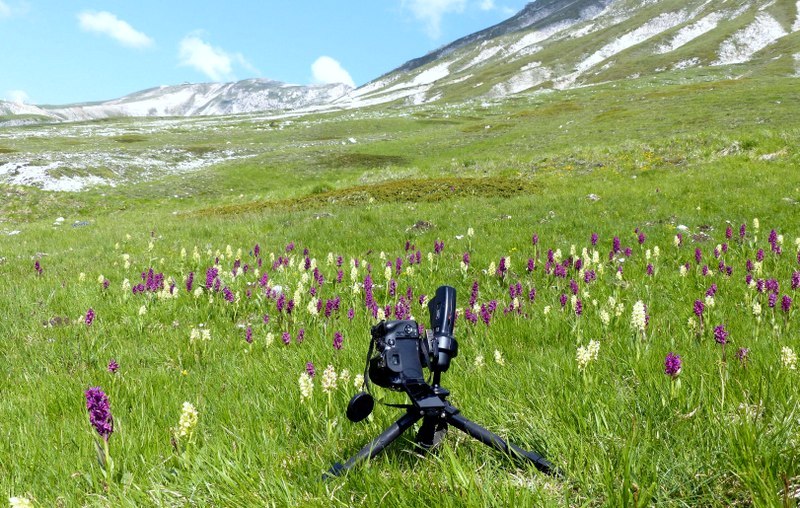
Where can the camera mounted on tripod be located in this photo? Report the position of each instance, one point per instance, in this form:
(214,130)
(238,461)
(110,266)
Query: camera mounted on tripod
(401,351)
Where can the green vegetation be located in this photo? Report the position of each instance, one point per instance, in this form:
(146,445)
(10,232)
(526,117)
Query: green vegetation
(607,159)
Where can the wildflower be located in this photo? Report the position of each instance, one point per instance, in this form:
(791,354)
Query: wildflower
(286,337)
(721,335)
(639,316)
(358,381)
(498,357)
(99,412)
(338,340)
(605,318)
(788,358)
(479,361)
(248,335)
(142,310)
(683,270)
(19,502)
(89,317)
(329,379)
(587,354)
(113,366)
(699,307)
(672,365)
(188,420)
(306,386)
(756,308)
(786,303)
(743,354)
(344,376)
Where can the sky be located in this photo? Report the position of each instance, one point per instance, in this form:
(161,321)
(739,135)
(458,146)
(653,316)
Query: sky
(68,51)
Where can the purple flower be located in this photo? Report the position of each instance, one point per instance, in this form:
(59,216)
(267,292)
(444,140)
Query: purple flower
(650,269)
(772,300)
(578,307)
(248,335)
(616,244)
(698,255)
(742,354)
(786,303)
(641,238)
(113,366)
(760,255)
(699,307)
(290,247)
(338,340)
(531,265)
(502,268)
(796,280)
(286,337)
(563,300)
(310,370)
(672,364)
(720,335)
(573,287)
(535,239)
(99,412)
(301,335)
(712,291)
(190,282)
(729,232)
(229,297)
(38,267)
(742,231)
(438,247)
(350,313)
(89,317)
(594,238)
(464,258)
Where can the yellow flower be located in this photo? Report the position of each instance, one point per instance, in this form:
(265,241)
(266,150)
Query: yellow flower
(188,420)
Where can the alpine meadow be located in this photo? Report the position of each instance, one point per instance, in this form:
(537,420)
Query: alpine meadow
(611,187)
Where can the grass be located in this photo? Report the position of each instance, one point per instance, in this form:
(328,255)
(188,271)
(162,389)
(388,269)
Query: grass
(604,160)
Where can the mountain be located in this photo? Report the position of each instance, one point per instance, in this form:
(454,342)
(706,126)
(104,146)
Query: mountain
(192,100)
(550,44)
(559,44)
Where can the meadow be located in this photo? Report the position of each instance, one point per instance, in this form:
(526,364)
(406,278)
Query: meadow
(627,263)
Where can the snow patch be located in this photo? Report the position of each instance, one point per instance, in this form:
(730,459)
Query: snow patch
(796,24)
(484,55)
(685,64)
(432,75)
(746,42)
(529,76)
(691,32)
(650,29)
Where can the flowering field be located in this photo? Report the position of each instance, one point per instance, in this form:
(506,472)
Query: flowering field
(638,326)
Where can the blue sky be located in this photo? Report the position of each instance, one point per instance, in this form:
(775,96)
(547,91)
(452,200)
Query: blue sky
(64,51)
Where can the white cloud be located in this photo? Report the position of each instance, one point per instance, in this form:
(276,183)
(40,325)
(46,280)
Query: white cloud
(431,11)
(5,10)
(327,70)
(17,96)
(105,23)
(487,5)
(216,63)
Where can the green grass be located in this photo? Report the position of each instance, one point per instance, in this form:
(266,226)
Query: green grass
(657,157)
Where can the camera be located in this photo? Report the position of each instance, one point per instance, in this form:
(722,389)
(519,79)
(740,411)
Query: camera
(403,351)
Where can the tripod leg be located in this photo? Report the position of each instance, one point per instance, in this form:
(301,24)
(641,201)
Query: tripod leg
(489,438)
(376,445)
(431,433)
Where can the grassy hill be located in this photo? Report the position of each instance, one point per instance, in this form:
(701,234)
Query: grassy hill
(664,155)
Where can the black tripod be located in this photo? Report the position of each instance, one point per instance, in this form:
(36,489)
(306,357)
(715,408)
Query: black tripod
(398,366)
(431,406)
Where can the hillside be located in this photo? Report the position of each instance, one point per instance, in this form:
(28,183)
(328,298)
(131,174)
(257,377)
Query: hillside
(562,44)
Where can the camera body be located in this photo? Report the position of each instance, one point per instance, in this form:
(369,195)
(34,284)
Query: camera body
(401,354)
(402,351)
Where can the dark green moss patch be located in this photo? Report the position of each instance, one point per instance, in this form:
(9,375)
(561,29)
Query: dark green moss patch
(398,191)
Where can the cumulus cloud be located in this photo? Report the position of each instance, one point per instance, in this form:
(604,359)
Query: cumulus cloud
(430,12)
(487,5)
(105,23)
(214,62)
(18,96)
(327,70)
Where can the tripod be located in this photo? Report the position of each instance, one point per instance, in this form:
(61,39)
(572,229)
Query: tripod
(429,404)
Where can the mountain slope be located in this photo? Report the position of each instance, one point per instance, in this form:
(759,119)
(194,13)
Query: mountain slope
(558,44)
(193,100)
